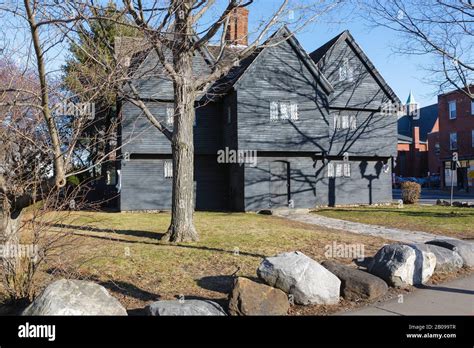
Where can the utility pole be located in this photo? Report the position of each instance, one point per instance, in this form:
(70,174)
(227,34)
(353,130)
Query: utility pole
(454,166)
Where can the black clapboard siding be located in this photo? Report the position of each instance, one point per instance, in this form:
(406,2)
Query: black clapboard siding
(364,92)
(140,136)
(375,134)
(144,186)
(278,74)
(310,185)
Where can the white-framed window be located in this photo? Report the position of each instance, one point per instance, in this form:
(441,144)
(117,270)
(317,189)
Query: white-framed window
(353,122)
(347,170)
(294,112)
(330,170)
(345,122)
(472,107)
(169,115)
(345,71)
(452,109)
(168,169)
(453,141)
(339,170)
(229,114)
(274,111)
(283,110)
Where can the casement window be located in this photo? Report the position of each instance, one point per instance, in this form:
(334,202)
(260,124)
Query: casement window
(283,110)
(347,170)
(346,73)
(353,122)
(339,170)
(169,115)
(453,141)
(330,170)
(472,107)
(437,149)
(472,138)
(229,114)
(452,109)
(168,169)
(345,122)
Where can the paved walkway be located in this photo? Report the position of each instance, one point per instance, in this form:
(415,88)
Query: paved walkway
(452,298)
(359,228)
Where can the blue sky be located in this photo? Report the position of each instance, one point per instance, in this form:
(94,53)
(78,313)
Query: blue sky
(403,73)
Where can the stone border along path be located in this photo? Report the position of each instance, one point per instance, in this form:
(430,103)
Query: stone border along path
(304,215)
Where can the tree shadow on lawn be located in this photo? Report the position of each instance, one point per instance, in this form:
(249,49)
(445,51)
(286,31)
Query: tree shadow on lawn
(134,233)
(156,235)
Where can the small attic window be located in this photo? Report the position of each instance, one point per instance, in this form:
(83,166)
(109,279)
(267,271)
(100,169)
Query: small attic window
(346,73)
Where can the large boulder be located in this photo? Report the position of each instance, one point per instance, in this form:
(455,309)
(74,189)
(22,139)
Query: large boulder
(402,265)
(464,248)
(252,298)
(300,276)
(356,284)
(185,308)
(446,260)
(75,297)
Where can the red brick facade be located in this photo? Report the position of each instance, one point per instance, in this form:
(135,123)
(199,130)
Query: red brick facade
(461,123)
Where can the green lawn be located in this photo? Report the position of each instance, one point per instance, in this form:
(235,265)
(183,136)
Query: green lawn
(450,221)
(123,252)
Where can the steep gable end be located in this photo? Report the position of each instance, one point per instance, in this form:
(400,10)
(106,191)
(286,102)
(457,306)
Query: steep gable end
(357,83)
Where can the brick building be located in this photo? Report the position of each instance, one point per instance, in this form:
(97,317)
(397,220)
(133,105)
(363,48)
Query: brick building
(455,134)
(413,146)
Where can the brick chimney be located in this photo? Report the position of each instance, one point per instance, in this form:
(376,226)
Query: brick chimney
(238,28)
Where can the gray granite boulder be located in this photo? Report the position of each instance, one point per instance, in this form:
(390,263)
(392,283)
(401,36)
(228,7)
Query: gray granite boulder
(446,260)
(185,308)
(357,284)
(464,248)
(75,297)
(402,265)
(305,280)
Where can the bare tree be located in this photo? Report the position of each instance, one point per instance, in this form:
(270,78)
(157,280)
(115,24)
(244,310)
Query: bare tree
(176,31)
(442,29)
(40,130)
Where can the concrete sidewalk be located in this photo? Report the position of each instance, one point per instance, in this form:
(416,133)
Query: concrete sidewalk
(452,298)
(394,234)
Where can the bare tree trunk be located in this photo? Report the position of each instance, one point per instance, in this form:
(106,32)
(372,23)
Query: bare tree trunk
(182,225)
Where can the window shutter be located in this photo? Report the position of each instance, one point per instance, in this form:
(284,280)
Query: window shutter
(330,170)
(273,111)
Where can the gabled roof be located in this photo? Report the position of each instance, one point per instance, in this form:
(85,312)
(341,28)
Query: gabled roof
(321,52)
(235,74)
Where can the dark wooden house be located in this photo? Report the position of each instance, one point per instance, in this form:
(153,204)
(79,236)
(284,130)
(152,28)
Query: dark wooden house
(314,121)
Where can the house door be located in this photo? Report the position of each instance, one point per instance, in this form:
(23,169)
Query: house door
(279,184)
